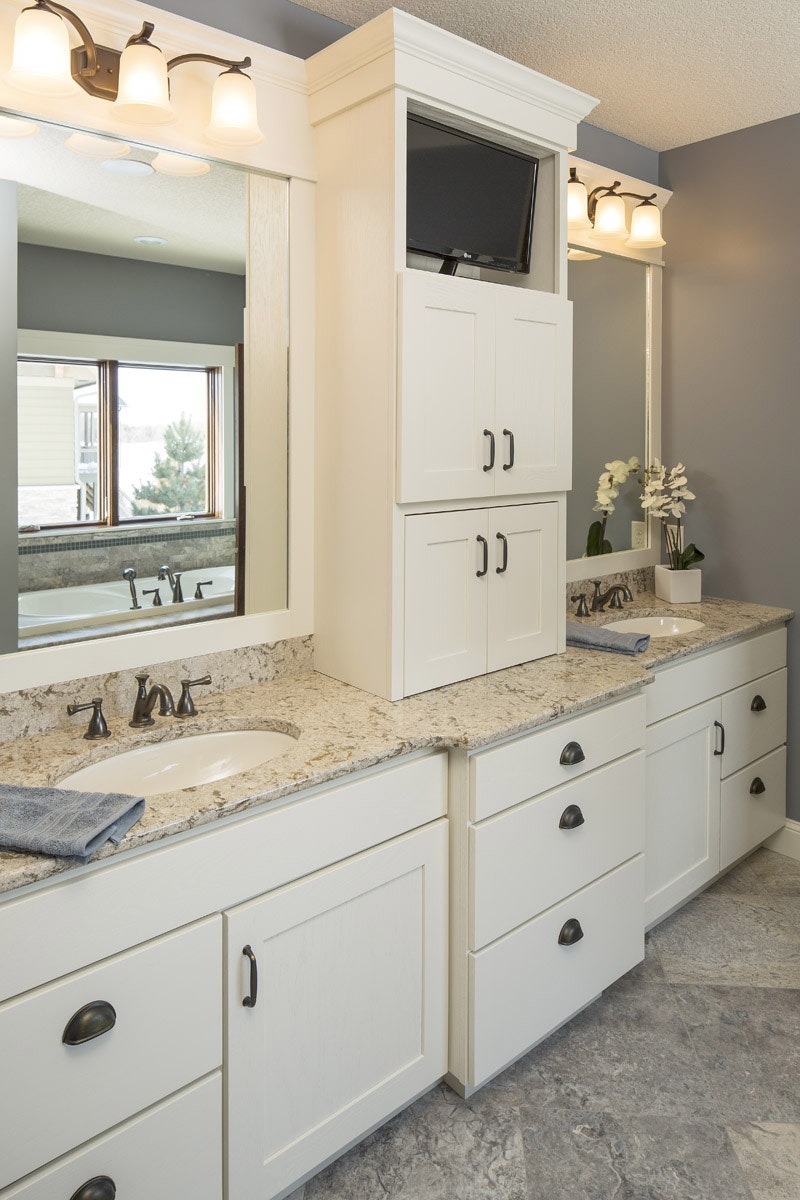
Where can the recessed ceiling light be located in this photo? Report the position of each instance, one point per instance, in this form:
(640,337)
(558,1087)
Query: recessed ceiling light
(180,164)
(14,127)
(127,166)
(147,239)
(97,147)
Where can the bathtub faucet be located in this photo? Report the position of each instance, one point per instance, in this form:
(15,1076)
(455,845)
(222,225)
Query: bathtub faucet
(130,574)
(174,578)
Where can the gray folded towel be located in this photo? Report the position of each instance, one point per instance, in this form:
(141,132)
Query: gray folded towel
(68,824)
(594,637)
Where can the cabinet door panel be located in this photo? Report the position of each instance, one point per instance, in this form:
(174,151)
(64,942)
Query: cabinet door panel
(533,379)
(753,806)
(751,731)
(350,1019)
(446,388)
(445,599)
(523,598)
(683,794)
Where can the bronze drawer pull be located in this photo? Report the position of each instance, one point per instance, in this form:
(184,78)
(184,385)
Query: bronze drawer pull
(89,1022)
(102,1187)
(572,754)
(758,787)
(571,932)
(571,818)
(250,1001)
(759,704)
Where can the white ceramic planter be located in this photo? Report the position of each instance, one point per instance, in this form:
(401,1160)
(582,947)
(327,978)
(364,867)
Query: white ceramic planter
(679,587)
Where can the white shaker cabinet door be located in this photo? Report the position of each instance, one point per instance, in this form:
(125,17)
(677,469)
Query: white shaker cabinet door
(523,584)
(533,392)
(446,388)
(349,1017)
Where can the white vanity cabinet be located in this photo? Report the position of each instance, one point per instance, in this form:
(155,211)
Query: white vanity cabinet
(548,882)
(716,765)
(485,395)
(480,593)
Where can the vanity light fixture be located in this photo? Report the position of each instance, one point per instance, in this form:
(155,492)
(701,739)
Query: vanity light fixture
(135,79)
(603,211)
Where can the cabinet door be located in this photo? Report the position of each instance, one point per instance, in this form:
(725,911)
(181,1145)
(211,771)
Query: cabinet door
(446,388)
(533,392)
(683,804)
(447,571)
(349,1021)
(523,584)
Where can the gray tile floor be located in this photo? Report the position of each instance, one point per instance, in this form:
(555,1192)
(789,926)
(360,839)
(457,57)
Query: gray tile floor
(682,1082)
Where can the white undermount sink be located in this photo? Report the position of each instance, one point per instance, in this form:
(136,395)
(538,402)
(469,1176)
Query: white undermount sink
(181,763)
(657,627)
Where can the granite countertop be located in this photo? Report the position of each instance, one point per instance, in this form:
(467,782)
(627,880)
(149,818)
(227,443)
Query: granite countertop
(340,729)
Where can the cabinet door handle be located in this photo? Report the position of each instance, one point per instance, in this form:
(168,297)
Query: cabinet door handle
(571,932)
(501,570)
(102,1187)
(485,545)
(250,1001)
(572,754)
(490,465)
(721,729)
(89,1022)
(758,787)
(759,704)
(508,465)
(571,818)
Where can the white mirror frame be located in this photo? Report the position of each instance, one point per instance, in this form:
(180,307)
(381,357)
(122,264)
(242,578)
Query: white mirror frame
(287,152)
(593,175)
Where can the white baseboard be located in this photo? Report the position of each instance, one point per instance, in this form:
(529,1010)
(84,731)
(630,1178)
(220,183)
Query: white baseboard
(787,840)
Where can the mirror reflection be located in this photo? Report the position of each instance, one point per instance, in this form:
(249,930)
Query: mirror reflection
(610,392)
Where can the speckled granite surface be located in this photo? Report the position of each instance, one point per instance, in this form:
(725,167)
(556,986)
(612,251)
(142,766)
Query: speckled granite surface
(341,729)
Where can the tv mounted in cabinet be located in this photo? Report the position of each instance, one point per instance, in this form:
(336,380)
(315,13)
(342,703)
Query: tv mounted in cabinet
(468,200)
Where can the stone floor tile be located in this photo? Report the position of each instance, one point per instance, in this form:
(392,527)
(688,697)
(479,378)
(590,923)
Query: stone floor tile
(776,872)
(657,1158)
(733,940)
(748,1041)
(742,880)
(770,1158)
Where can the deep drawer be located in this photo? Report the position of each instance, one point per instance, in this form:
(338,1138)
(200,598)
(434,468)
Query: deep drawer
(753,806)
(172,1150)
(754,719)
(167,1000)
(525,985)
(514,772)
(531,857)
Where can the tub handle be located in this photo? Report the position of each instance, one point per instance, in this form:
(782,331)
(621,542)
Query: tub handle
(198,591)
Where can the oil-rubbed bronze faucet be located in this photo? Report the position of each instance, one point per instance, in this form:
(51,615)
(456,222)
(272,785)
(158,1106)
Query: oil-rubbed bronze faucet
(613,596)
(146,702)
(97,722)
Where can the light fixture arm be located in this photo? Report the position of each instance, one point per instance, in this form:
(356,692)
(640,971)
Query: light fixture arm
(598,193)
(231,64)
(90,67)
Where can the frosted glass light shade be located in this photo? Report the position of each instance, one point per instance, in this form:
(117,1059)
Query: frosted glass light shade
(234,111)
(180,165)
(609,218)
(577,206)
(41,61)
(14,127)
(646,226)
(143,95)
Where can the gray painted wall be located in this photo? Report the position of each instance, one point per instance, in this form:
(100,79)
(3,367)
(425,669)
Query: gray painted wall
(732,367)
(8,407)
(600,146)
(74,292)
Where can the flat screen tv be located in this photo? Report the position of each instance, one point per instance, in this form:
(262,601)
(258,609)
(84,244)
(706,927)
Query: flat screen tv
(468,200)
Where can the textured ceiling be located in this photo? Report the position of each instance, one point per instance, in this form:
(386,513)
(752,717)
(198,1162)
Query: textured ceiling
(668,72)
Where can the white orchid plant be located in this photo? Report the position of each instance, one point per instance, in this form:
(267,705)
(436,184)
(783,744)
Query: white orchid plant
(665,496)
(615,475)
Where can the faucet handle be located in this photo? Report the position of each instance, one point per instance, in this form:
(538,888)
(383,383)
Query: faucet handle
(156,594)
(582,609)
(185,706)
(616,597)
(97,723)
(198,591)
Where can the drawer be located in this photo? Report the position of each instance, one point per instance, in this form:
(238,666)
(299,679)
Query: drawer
(525,985)
(167,999)
(172,1150)
(509,774)
(529,858)
(751,810)
(754,719)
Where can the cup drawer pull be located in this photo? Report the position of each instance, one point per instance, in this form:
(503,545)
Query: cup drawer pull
(571,818)
(571,932)
(758,787)
(759,704)
(572,754)
(102,1187)
(91,1021)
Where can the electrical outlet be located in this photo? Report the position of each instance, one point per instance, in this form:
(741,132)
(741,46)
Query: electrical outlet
(638,535)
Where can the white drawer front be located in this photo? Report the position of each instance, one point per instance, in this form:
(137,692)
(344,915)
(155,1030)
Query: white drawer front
(754,719)
(529,858)
(514,772)
(167,999)
(749,814)
(173,1150)
(525,985)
